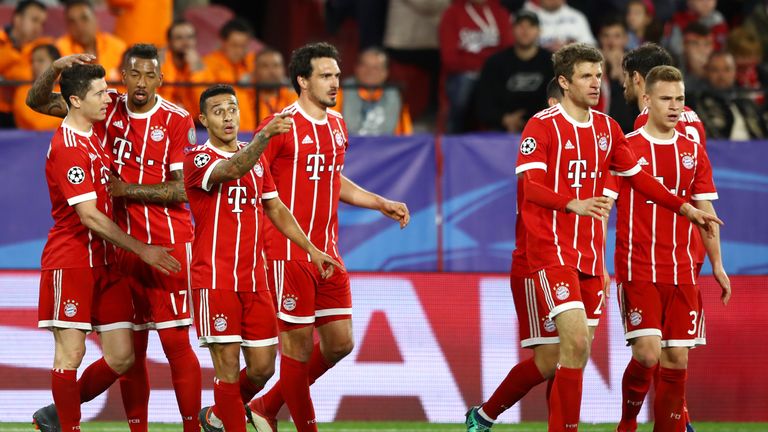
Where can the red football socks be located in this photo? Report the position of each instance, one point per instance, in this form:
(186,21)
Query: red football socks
(134,385)
(273,400)
(247,388)
(96,380)
(295,389)
(565,401)
(670,397)
(634,386)
(185,374)
(519,381)
(229,406)
(66,398)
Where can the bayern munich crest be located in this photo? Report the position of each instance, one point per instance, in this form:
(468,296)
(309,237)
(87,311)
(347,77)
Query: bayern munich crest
(562,291)
(70,308)
(289,303)
(527,146)
(258,169)
(687,161)
(202,159)
(220,322)
(603,143)
(549,325)
(157,133)
(635,317)
(338,137)
(76,175)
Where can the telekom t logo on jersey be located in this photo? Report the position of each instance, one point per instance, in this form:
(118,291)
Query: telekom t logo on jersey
(315,165)
(236,198)
(122,150)
(577,170)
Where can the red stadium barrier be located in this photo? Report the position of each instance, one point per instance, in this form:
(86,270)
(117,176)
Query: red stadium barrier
(427,346)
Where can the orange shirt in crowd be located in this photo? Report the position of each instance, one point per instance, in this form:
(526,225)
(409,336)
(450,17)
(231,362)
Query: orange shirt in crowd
(15,65)
(186,97)
(26,118)
(270,102)
(142,21)
(109,52)
(223,71)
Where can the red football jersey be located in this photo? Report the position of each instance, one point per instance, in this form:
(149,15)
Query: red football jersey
(576,157)
(76,170)
(689,125)
(520,266)
(652,243)
(306,163)
(145,148)
(227,250)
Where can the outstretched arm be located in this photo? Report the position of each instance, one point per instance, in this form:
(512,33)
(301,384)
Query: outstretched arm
(284,221)
(244,160)
(542,195)
(41,97)
(712,246)
(355,195)
(171,191)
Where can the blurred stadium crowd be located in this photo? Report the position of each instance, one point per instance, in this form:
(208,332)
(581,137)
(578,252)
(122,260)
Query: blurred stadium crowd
(429,65)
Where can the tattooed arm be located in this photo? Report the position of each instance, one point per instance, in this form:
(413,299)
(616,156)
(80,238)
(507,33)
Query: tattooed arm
(41,97)
(168,192)
(244,160)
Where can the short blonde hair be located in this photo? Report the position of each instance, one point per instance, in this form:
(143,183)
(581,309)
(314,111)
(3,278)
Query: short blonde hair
(662,74)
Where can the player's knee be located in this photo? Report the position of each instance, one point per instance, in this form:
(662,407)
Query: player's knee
(645,355)
(575,352)
(676,358)
(120,362)
(70,358)
(339,349)
(260,374)
(546,357)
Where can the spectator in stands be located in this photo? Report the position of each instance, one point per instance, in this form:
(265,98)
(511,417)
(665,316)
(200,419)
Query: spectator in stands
(512,84)
(751,73)
(612,37)
(560,24)
(233,64)
(642,25)
(141,21)
(470,32)
(83,36)
(757,21)
(17,40)
(703,12)
(42,57)
(182,63)
(273,88)
(698,45)
(725,110)
(374,108)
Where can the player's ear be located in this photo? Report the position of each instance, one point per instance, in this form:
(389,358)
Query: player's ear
(302,82)
(74,102)
(563,81)
(203,120)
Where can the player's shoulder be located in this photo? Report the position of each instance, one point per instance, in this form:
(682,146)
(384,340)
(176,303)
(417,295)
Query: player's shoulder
(171,108)
(201,148)
(546,113)
(635,136)
(689,115)
(334,114)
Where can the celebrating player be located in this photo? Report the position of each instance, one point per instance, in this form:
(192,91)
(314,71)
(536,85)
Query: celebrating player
(655,261)
(537,331)
(307,164)
(230,189)
(79,289)
(145,136)
(565,153)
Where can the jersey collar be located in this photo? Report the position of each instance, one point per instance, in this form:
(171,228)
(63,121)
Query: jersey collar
(308,117)
(75,131)
(652,139)
(573,121)
(147,114)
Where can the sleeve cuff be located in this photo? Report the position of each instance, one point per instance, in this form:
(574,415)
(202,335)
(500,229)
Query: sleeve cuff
(529,166)
(705,196)
(90,196)
(269,195)
(178,166)
(206,187)
(610,193)
(628,173)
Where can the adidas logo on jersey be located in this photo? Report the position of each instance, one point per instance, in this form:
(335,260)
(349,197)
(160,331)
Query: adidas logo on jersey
(118,124)
(307,140)
(642,161)
(569,146)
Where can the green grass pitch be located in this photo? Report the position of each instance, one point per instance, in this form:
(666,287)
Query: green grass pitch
(405,427)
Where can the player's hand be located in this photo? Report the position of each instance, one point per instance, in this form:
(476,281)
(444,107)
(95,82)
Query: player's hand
(725,284)
(116,187)
(324,263)
(397,211)
(67,61)
(279,124)
(596,207)
(159,258)
(701,218)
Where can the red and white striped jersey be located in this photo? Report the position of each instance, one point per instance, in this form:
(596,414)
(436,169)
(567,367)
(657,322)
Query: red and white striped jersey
(227,250)
(76,170)
(652,243)
(306,163)
(520,266)
(145,148)
(689,125)
(576,157)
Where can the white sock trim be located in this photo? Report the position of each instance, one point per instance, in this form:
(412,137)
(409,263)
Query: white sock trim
(214,421)
(485,416)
